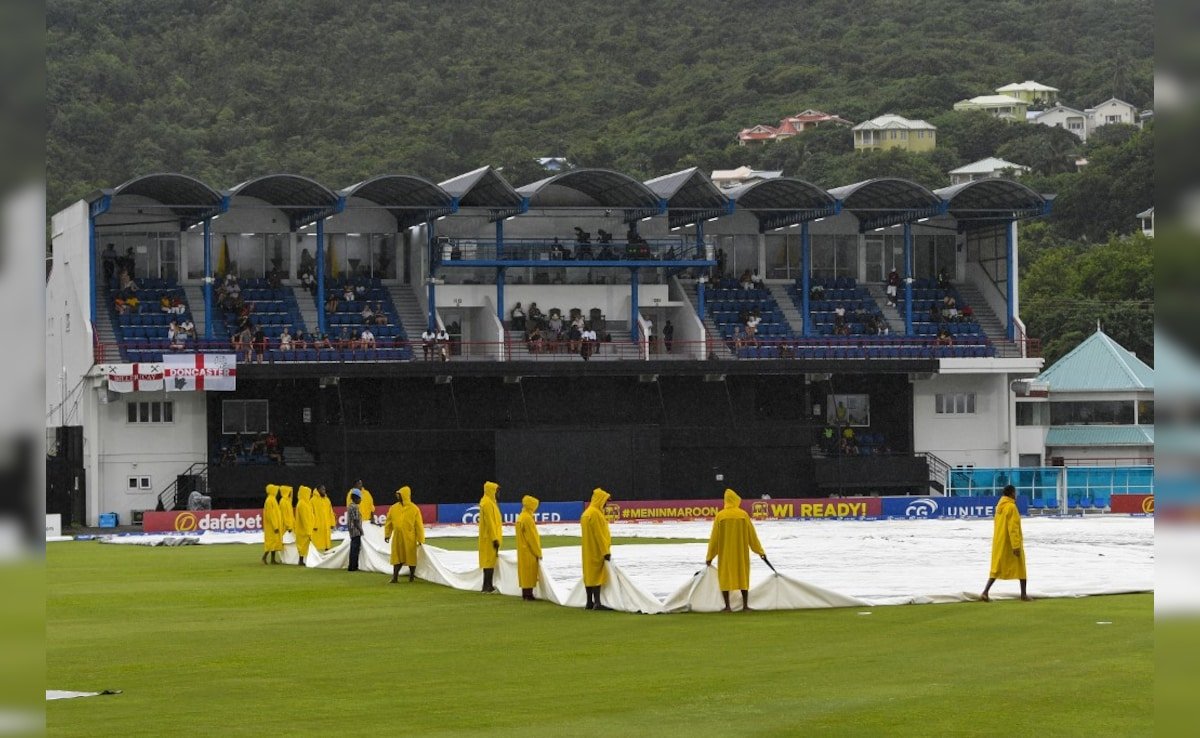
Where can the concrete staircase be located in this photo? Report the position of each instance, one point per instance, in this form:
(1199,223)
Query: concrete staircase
(308,309)
(106,335)
(791,313)
(992,325)
(195,300)
(893,316)
(717,344)
(408,310)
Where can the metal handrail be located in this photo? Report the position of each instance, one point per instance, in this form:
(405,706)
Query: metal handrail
(172,489)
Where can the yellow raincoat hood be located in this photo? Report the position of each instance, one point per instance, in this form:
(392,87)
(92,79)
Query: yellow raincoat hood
(405,495)
(286,491)
(732,499)
(272,490)
(305,493)
(490,489)
(600,498)
(529,504)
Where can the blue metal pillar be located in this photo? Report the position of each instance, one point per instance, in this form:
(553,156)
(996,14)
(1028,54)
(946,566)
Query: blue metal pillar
(1011,278)
(908,280)
(699,241)
(431,301)
(208,280)
(805,278)
(320,276)
(633,305)
(500,294)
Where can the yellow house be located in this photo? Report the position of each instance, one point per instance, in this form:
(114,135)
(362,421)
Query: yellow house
(1033,93)
(1001,106)
(894,132)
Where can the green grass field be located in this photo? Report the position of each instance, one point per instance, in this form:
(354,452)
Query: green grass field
(205,639)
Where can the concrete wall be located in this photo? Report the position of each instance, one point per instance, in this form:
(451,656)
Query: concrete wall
(980,439)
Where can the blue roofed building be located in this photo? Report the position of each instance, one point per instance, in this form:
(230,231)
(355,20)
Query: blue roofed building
(1094,406)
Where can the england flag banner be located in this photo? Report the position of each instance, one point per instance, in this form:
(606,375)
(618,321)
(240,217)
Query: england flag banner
(200,372)
(141,377)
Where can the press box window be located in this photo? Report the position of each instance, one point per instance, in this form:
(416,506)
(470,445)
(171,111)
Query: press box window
(1033,413)
(244,416)
(150,412)
(958,403)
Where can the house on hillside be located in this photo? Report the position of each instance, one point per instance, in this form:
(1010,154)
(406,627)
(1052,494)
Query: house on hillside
(1033,93)
(790,126)
(985,168)
(729,178)
(999,106)
(553,163)
(1061,116)
(1096,408)
(1112,111)
(892,131)
(1146,217)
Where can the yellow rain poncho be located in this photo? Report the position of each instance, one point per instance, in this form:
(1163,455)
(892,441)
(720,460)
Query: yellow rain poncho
(323,510)
(272,521)
(306,521)
(529,544)
(733,538)
(597,541)
(491,530)
(1006,538)
(406,528)
(286,511)
(366,505)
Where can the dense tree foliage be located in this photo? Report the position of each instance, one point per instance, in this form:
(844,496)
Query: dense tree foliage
(342,89)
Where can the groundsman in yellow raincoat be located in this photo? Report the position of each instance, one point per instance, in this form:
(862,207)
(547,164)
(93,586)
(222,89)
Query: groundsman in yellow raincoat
(732,539)
(491,534)
(306,522)
(596,547)
(272,524)
(529,547)
(366,503)
(1008,554)
(405,528)
(287,510)
(323,508)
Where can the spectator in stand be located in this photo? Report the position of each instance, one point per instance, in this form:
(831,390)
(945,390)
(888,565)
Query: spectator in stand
(943,279)
(757,281)
(588,342)
(935,313)
(816,292)
(535,340)
(259,445)
(949,307)
(176,337)
(275,279)
(367,339)
(243,340)
(331,302)
(367,314)
(273,449)
(285,339)
(442,344)
(260,344)
(668,335)
(360,290)
(752,323)
(109,259)
(455,252)
(554,326)
(944,338)
(308,282)
(747,280)
(574,339)
(323,343)
(882,327)
(839,316)
(301,341)
(535,314)
(516,317)
(348,341)
(348,294)
(188,327)
(428,339)
(893,287)
(967,313)
(381,317)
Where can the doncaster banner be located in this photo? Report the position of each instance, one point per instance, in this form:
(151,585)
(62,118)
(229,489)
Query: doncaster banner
(1133,504)
(945,507)
(199,372)
(244,521)
(137,377)
(781,509)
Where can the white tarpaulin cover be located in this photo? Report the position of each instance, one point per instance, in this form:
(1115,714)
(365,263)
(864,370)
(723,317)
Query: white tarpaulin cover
(890,562)
(62,694)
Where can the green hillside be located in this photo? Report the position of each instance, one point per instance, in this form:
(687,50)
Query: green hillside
(339,90)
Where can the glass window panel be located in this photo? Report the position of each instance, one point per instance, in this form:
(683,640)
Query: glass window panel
(168,412)
(156,412)
(143,412)
(131,409)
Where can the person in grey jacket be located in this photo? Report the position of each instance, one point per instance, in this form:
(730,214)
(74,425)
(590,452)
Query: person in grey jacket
(354,527)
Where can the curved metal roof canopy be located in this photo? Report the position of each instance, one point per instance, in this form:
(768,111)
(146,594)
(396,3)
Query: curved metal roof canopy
(992,199)
(485,189)
(186,197)
(594,189)
(878,203)
(691,197)
(411,200)
(303,200)
(784,201)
